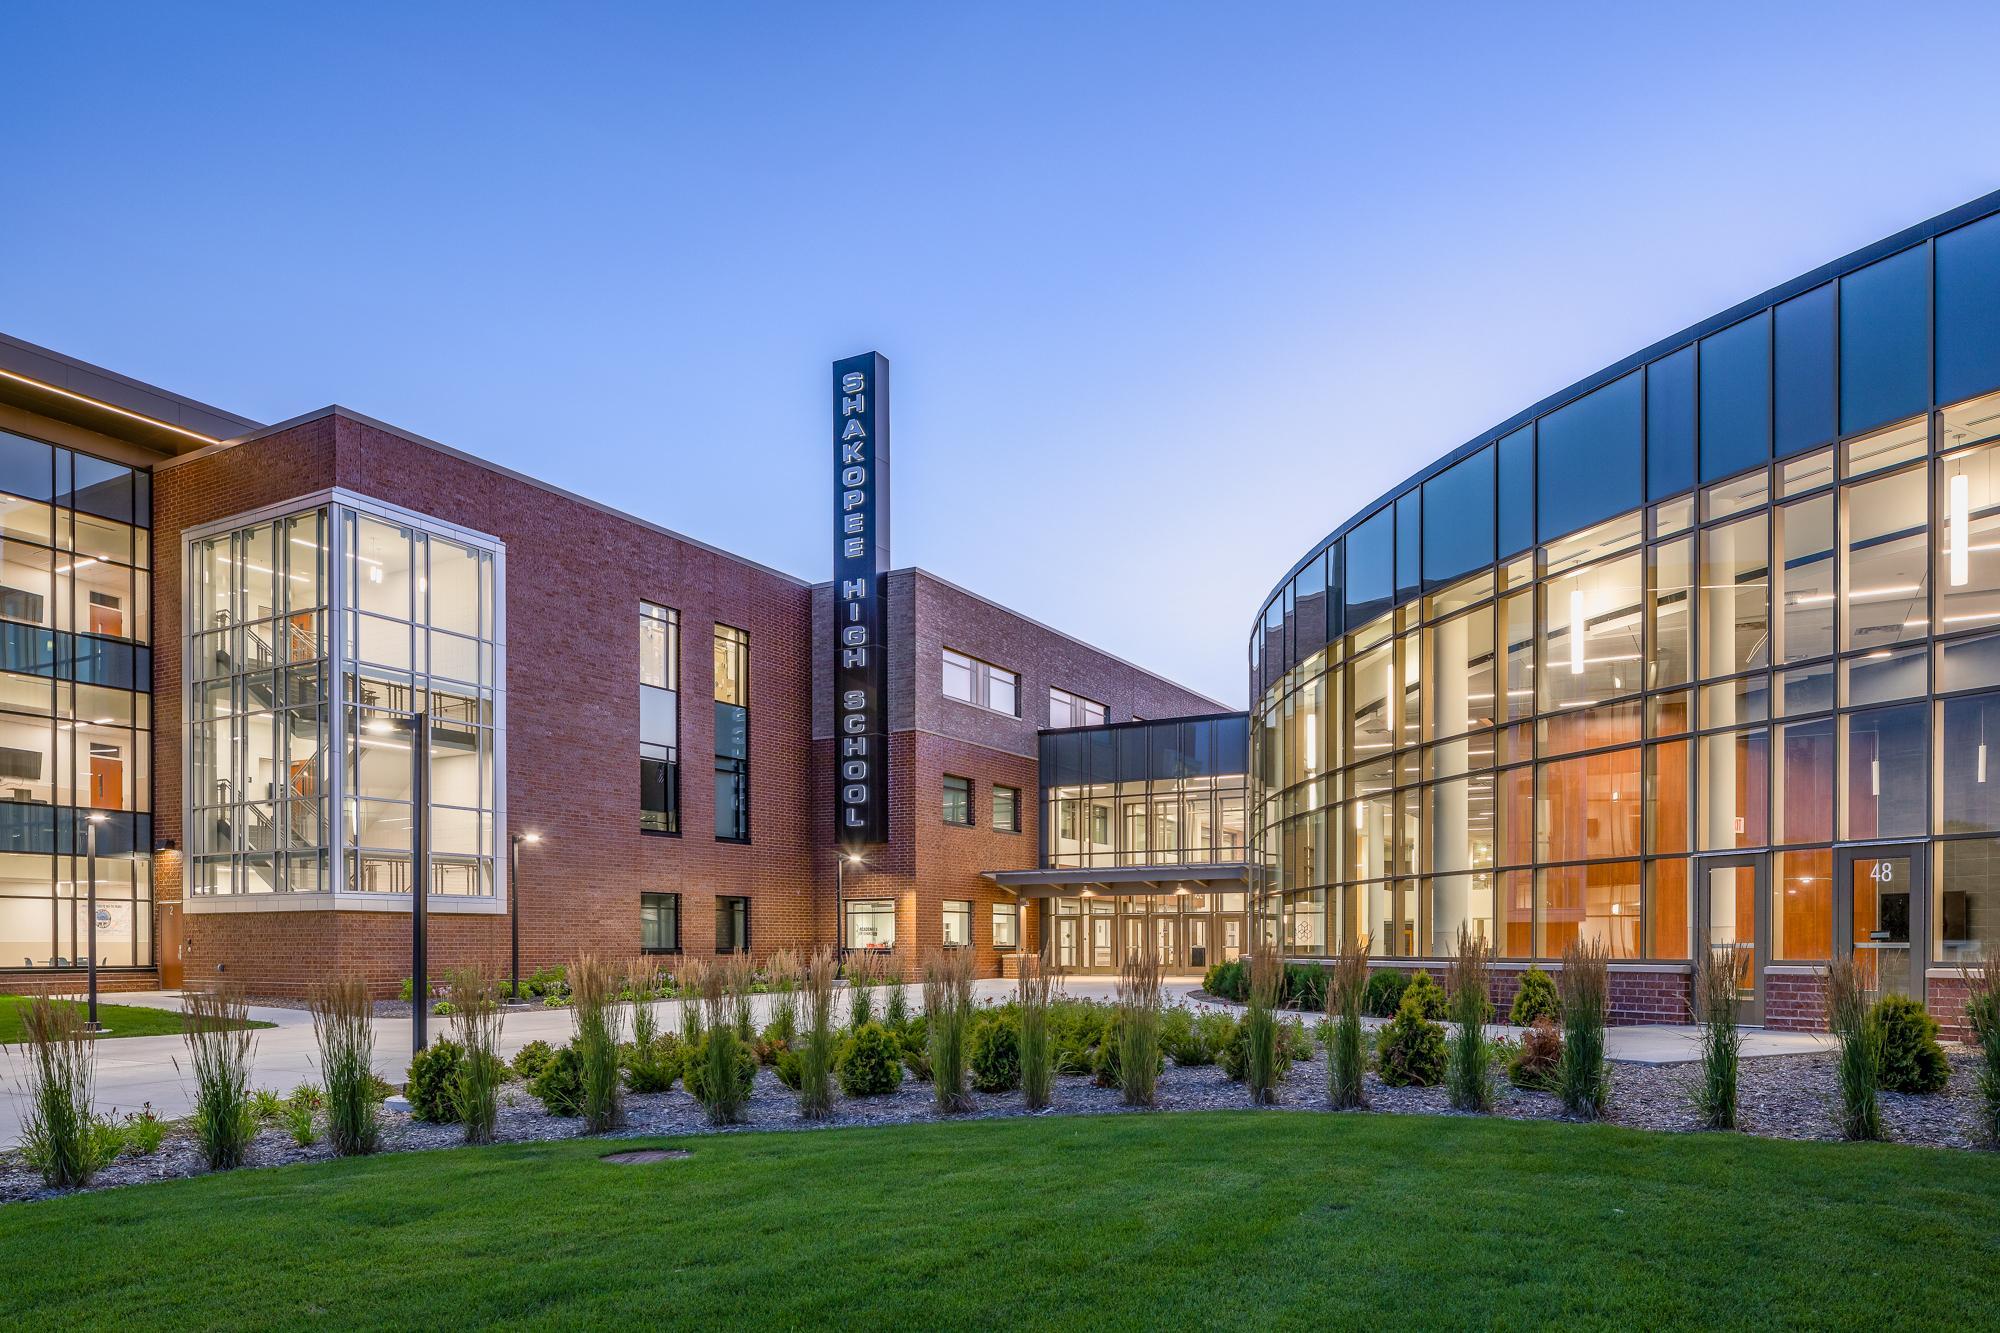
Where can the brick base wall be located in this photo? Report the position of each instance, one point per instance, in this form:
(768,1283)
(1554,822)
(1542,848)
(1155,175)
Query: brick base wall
(35,981)
(1636,997)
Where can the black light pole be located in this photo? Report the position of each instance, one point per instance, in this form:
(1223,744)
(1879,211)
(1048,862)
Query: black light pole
(514,909)
(420,827)
(90,910)
(840,865)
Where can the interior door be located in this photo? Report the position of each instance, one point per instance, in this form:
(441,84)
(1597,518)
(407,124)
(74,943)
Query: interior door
(1163,942)
(1732,911)
(1197,941)
(1100,941)
(1886,914)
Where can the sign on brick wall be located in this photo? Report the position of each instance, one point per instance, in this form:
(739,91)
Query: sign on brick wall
(860,565)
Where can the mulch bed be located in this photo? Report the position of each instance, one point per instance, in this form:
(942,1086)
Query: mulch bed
(1785,1096)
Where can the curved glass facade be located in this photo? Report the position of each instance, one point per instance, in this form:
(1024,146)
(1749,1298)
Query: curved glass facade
(1706,648)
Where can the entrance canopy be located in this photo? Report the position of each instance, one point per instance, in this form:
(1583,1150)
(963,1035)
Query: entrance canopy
(1123,881)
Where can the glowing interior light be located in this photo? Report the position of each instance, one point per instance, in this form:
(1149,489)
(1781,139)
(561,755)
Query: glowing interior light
(1874,777)
(1960,534)
(1982,761)
(1576,631)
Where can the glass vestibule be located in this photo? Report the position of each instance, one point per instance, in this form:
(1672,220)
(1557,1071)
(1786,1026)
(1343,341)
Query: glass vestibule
(1184,931)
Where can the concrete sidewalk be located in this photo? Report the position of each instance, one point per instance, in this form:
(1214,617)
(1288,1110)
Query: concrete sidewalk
(136,1071)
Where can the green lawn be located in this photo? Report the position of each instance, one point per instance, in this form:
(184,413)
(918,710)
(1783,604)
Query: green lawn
(123,1020)
(1220,1219)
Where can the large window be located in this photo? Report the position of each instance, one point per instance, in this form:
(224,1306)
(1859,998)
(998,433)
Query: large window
(969,680)
(75,712)
(732,924)
(660,922)
(957,923)
(1065,709)
(1007,925)
(415,631)
(1006,808)
(958,801)
(871,923)
(659,718)
(732,735)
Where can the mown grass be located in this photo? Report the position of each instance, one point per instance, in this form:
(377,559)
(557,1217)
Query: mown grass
(1225,1219)
(123,1020)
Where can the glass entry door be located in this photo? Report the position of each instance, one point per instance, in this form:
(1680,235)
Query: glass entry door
(1884,911)
(1163,943)
(1732,911)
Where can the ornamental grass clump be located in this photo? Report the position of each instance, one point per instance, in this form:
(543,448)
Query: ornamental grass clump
(783,967)
(59,1136)
(816,1046)
(716,1066)
(1139,1057)
(1346,1049)
(864,970)
(948,1010)
(594,985)
(693,981)
(740,980)
(1982,1016)
(1034,996)
(1583,1076)
(1858,1068)
(1468,1075)
(1262,1070)
(476,1017)
(343,1020)
(216,1026)
(1715,1000)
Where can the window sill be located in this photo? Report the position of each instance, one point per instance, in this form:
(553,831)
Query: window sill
(661,832)
(652,952)
(967,703)
(956,823)
(735,842)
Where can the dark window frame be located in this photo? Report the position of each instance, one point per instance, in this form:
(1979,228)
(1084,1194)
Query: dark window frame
(644,905)
(944,794)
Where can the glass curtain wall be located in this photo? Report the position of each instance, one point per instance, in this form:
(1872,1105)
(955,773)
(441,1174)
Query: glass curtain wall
(315,639)
(1140,794)
(75,712)
(1751,609)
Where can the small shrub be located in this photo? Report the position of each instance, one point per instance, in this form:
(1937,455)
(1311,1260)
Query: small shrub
(996,1055)
(720,1072)
(266,1104)
(1912,1060)
(653,1067)
(896,1012)
(298,1118)
(405,991)
(558,1084)
(546,983)
(1385,992)
(144,1131)
(1532,1064)
(1982,1015)
(1534,998)
(787,1069)
(1227,981)
(531,1059)
(775,1040)
(1410,1051)
(309,1095)
(1434,1003)
(869,1062)
(1195,1039)
(433,1074)
(1075,1029)
(1108,1062)
(913,1039)
(1305,986)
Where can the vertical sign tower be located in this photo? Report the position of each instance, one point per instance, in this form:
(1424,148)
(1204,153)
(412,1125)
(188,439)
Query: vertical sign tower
(860,622)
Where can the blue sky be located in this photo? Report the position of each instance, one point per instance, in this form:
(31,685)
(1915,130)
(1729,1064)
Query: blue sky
(1169,290)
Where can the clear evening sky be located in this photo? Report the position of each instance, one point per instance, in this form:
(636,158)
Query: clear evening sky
(1169,290)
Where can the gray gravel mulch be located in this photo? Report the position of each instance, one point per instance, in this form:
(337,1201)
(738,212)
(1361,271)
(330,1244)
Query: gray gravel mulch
(1786,1097)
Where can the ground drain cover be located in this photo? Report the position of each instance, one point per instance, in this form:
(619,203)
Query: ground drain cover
(645,1156)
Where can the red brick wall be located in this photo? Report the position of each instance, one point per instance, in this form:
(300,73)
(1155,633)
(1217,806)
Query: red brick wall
(1636,997)
(575,574)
